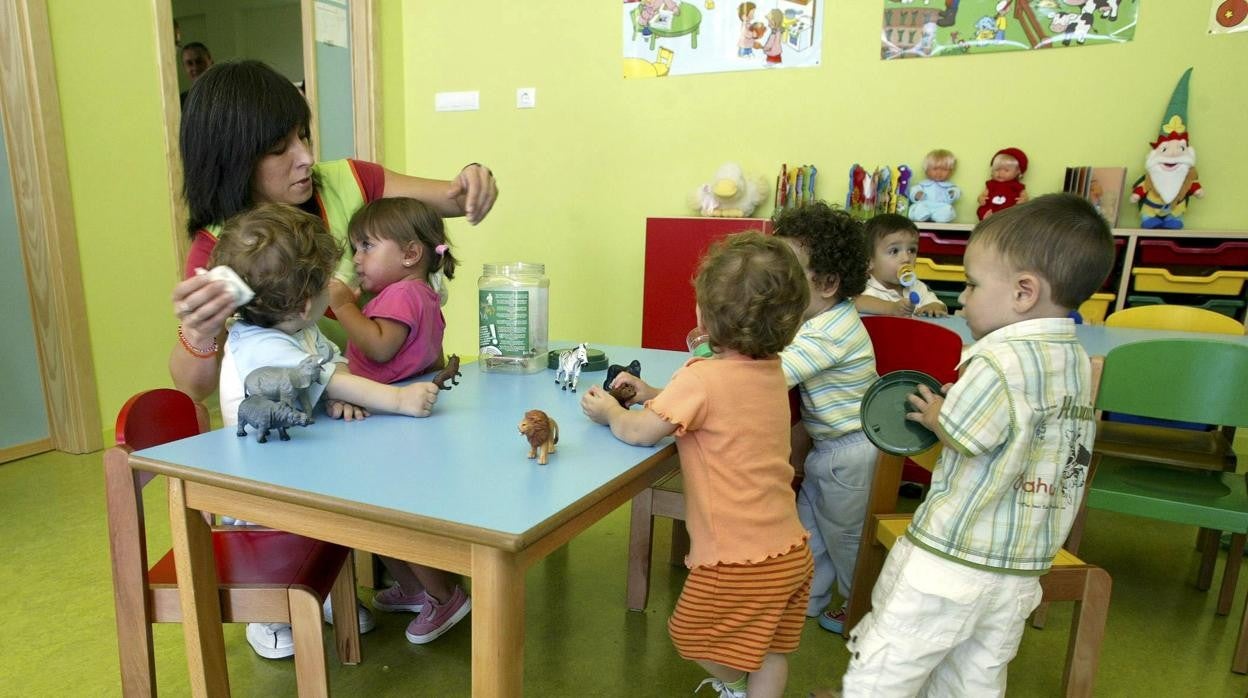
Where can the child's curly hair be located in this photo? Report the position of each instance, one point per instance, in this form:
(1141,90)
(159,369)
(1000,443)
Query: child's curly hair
(285,255)
(752,293)
(833,239)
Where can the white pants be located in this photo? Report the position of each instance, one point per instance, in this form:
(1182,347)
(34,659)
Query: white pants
(832,505)
(938,628)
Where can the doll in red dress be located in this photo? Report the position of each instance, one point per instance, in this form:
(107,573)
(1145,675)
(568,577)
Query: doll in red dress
(1006,187)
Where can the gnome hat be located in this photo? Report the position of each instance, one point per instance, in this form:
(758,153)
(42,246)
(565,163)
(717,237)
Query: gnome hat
(1015,153)
(1174,122)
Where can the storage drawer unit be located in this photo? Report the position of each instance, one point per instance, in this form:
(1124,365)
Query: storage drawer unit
(1219,283)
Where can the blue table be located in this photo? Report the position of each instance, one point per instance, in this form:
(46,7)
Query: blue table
(453,491)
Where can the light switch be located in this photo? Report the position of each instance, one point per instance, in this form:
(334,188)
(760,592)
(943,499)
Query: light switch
(457,101)
(526,97)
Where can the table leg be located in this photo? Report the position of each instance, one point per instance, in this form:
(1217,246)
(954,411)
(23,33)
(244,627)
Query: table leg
(197,587)
(497,624)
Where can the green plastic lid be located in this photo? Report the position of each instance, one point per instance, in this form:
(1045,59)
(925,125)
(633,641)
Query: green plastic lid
(597,359)
(884,409)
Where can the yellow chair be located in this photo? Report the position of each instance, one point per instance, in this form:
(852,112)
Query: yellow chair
(1180,318)
(664,65)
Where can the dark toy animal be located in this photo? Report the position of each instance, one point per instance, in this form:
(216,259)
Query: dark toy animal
(264,415)
(623,393)
(285,384)
(450,373)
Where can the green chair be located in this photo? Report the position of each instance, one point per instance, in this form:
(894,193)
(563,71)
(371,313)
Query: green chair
(1188,380)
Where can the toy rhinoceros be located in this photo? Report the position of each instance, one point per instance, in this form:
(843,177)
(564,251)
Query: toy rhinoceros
(264,415)
(285,384)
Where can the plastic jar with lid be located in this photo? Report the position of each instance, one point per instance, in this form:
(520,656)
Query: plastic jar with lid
(513,299)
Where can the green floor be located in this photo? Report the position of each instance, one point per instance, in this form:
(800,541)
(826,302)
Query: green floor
(1163,637)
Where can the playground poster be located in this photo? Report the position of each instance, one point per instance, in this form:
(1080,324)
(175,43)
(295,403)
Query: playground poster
(1228,16)
(929,28)
(662,38)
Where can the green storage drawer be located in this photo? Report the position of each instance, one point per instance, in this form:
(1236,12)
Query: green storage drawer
(1226,306)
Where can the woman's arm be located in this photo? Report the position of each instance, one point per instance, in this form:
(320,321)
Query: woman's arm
(471,194)
(379,338)
(202,306)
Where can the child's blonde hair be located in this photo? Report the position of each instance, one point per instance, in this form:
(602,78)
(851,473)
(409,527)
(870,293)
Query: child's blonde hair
(744,10)
(940,156)
(405,221)
(1061,237)
(775,19)
(752,292)
(285,255)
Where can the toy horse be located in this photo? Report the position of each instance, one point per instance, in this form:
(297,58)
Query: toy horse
(450,373)
(570,364)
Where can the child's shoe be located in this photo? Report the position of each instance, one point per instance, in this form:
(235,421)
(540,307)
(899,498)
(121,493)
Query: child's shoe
(271,640)
(393,600)
(365,616)
(717,685)
(435,619)
(833,621)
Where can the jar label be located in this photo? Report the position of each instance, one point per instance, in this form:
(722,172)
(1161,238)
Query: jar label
(504,323)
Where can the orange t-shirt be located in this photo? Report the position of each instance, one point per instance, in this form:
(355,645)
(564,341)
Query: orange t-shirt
(732,433)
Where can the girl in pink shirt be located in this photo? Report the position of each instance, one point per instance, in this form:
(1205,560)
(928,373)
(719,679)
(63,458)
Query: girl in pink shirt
(400,248)
(744,601)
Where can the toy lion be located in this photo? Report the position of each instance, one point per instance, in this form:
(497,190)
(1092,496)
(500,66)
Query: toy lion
(542,433)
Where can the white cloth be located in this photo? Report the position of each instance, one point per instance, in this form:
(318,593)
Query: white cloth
(250,347)
(832,504)
(875,289)
(938,628)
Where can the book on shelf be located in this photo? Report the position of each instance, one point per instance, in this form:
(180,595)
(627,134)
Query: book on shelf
(1103,186)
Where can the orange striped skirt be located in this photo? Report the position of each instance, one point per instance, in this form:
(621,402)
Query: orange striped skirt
(735,614)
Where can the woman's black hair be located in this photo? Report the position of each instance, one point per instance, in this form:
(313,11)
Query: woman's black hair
(235,113)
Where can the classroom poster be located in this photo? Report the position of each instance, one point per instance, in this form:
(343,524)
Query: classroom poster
(928,28)
(1228,16)
(678,37)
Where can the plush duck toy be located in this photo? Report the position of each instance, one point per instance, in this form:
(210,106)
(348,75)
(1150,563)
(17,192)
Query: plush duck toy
(730,195)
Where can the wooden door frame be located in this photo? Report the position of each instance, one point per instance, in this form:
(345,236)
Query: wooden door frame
(364,83)
(48,238)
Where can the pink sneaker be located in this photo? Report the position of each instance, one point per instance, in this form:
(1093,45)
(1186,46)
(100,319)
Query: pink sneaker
(393,600)
(435,619)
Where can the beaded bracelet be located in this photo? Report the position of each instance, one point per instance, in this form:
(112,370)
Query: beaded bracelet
(196,351)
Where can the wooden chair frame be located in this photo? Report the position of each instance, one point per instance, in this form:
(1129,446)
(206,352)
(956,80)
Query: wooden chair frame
(138,604)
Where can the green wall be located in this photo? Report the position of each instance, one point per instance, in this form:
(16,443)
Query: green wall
(580,173)
(109,87)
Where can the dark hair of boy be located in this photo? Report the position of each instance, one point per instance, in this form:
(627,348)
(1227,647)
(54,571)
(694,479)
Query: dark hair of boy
(885,224)
(832,239)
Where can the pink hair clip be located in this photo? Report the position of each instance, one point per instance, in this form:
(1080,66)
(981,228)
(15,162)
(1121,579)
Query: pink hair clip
(441,249)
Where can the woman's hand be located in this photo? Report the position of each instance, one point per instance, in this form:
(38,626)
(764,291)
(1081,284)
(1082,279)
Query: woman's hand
(202,305)
(475,190)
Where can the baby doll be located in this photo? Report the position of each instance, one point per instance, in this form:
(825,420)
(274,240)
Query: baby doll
(1006,187)
(933,197)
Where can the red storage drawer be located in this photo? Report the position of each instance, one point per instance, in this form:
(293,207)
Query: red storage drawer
(1227,254)
(931,243)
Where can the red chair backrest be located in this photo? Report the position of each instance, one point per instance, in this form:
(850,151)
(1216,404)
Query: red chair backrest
(915,345)
(154,417)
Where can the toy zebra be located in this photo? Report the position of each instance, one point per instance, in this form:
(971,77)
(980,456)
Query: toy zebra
(570,364)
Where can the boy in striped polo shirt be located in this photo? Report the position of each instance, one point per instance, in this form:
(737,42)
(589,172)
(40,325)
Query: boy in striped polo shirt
(832,362)
(954,595)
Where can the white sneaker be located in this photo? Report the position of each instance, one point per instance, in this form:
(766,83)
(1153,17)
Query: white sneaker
(271,640)
(717,685)
(365,616)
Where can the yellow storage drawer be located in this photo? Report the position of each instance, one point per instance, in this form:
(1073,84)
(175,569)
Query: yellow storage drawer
(1093,309)
(928,270)
(1219,283)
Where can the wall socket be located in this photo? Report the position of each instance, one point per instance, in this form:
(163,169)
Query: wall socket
(526,97)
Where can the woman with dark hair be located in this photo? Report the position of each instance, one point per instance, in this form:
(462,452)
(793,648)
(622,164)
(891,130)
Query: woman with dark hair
(244,142)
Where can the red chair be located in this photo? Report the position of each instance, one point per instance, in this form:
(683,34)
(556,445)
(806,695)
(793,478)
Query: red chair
(900,344)
(264,576)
